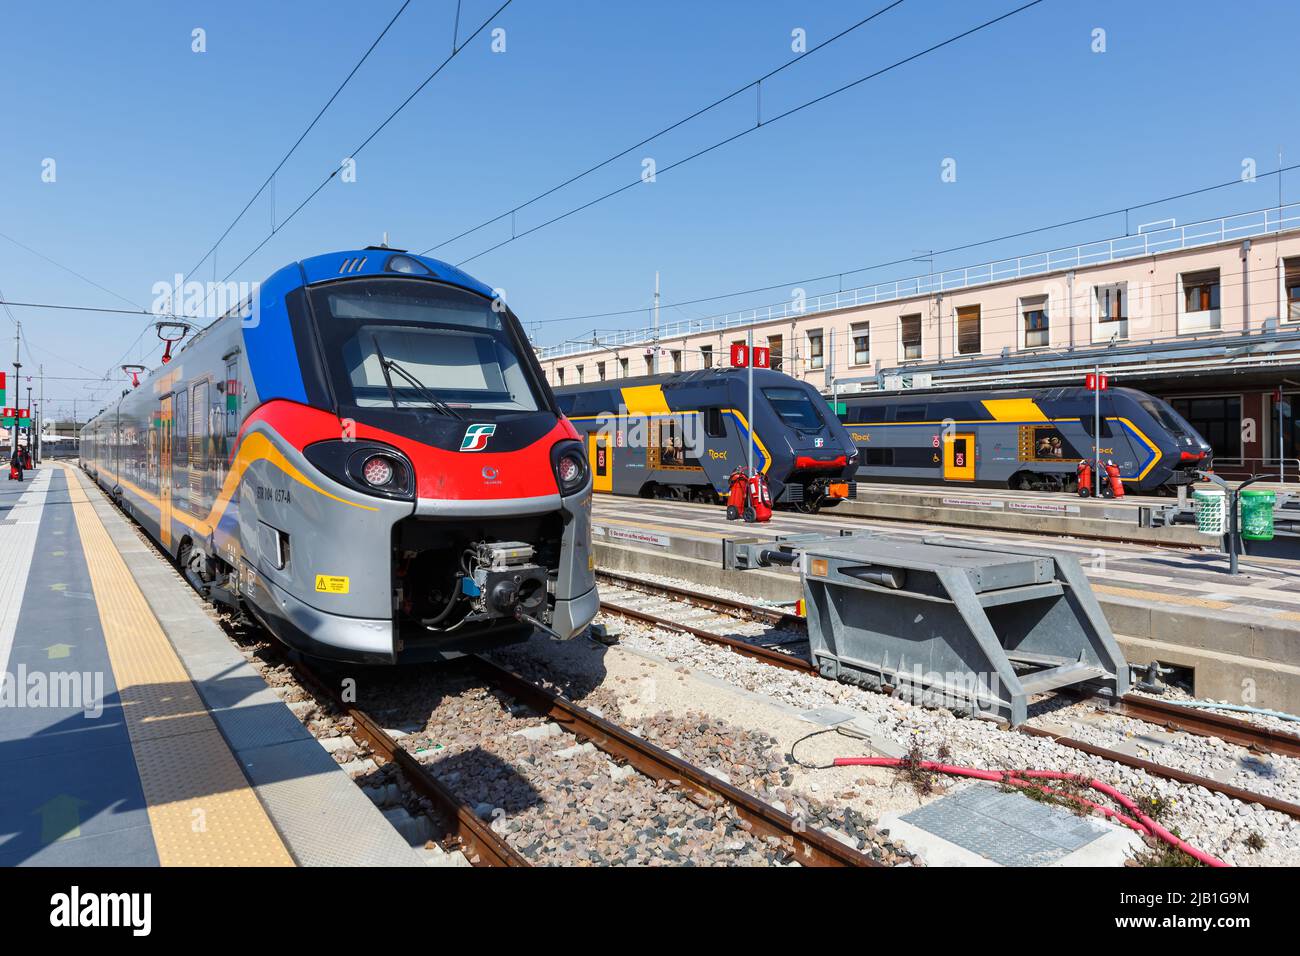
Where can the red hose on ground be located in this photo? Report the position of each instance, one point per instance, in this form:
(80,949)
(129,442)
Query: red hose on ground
(1022,778)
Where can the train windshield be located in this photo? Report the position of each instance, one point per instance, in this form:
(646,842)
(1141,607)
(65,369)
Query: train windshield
(1166,416)
(795,408)
(396,343)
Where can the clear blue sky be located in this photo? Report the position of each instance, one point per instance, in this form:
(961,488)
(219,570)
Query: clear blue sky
(158,147)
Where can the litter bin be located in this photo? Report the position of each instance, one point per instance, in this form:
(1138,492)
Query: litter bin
(1209,505)
(1257,515)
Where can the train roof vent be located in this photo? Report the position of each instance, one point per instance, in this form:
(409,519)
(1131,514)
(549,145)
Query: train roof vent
(352,264)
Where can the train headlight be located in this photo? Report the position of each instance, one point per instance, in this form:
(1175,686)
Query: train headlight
(378,471)
(368,467)
(570,462)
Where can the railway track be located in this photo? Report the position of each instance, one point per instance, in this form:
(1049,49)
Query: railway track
(810,846)
(482,844)
(1159,713)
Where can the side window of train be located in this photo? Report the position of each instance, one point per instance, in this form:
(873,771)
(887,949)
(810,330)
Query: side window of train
(180,430)
(1089,422)
(909,413)
(713,426)
(232,398)
(199,414)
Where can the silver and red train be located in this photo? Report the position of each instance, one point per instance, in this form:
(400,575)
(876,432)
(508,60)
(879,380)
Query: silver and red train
(366,457)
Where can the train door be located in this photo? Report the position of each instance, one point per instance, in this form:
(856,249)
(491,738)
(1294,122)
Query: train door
(165,473)
(959,457)
(600,452)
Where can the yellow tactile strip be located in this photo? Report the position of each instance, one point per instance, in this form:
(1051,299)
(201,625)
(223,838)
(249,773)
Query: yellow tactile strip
(201,808)
(1163,597)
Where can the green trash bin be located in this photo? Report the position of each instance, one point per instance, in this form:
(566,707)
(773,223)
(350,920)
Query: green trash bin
(1257,515)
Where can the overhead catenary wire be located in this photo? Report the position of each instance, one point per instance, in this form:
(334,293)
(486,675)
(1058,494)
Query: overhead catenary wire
(758,125)
(302,136)
(365,142)
(715,297)
(752,84)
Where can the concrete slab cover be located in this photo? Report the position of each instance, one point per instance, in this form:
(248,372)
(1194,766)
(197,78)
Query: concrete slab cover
(1008,829)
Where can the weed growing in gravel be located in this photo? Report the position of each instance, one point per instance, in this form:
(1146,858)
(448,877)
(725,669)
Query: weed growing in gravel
(1161,854)
(1255,841)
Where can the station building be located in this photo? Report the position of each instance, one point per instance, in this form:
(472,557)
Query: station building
(1205,315)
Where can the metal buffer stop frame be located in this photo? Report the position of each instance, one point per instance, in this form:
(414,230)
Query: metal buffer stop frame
(943,622)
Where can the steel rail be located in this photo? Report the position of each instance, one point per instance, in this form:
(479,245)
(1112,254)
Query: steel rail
(811,846)
(1159,712)
(478,839)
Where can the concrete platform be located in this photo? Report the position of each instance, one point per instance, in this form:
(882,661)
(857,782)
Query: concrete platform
(132,732)
(1240,636)
(1029,511)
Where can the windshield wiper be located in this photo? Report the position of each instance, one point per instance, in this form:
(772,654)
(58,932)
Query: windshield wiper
(419,386)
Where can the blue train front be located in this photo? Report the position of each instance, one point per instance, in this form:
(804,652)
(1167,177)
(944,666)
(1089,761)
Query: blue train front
(369,461)
(681,436)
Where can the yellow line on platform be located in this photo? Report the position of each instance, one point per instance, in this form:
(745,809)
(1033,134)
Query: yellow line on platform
(201,808)
(1163,597)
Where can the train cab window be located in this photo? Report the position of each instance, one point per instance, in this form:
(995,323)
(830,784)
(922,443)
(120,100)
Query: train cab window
(713,426)
(796,408)
(407,343)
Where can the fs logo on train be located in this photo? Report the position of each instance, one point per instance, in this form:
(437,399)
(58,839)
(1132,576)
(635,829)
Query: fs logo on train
(476,437)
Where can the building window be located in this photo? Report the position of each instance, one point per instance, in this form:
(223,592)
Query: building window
(1112,304)
(600,370)
(559,375)
(968,330)
(816,357)
(1200,301)
(677,360)
(775,344)
(1110,312)
(862,344)
(1218,419)
(1292,269)
(706,356)
(650,361)
(1034,323)
(909,337)
(622,368)
(582,369)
